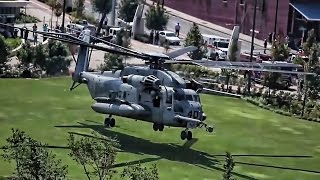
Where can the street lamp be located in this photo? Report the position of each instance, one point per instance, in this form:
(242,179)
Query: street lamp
(252,41)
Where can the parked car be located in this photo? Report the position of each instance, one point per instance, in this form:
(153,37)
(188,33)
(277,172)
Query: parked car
(168,36)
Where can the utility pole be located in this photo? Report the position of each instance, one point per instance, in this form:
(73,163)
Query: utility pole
(63,15)
(276,21)
(252,42)
(113,13)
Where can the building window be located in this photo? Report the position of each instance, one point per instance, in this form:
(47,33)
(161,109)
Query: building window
(241,2)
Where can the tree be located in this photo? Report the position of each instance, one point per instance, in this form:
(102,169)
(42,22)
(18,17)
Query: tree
(112,62)
(280,51)
(156,19)
(97,153)
(4,49)
(139,173)
(228,167)
(33,161)
(79,8)
(123,38)
(25,55)
(52,4)
(128,9)
(194,38)
(57,61)
(102,6)
(58,9)
(40,54)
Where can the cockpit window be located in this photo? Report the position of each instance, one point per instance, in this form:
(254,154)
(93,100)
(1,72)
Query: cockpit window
(189,98)
(169,99)
(196,98)
(178,96)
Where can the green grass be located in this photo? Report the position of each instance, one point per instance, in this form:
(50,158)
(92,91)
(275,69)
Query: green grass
(40,106)
(13,43)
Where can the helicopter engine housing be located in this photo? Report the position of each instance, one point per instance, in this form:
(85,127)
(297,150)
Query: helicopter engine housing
(150,81)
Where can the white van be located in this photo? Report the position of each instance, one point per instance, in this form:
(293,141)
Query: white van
(217,46)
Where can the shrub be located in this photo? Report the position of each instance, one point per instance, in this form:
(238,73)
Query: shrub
(26,19)
(13,43)
(239,90)
(143,38)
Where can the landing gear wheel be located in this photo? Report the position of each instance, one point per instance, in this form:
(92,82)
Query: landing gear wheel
(183,135)
(106,122)
(161,127)
(112,122)
(189,135)
(155,127)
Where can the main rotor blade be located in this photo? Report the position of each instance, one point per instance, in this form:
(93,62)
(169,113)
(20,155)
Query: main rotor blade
(179,52)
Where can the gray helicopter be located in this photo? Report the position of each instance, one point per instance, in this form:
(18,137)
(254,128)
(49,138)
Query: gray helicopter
(152,94)
(142,95)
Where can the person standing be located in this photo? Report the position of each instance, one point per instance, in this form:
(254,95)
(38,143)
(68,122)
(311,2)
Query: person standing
(34,28)
(265,46)
(177,29)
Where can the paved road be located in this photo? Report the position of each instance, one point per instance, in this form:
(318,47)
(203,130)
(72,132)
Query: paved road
(185,26)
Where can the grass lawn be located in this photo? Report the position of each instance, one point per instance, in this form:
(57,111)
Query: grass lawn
(47,111)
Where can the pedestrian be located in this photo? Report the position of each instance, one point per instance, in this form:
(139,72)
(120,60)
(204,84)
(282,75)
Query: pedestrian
(177,29)
(26,33)
(35,38)
(265,46)
(151,37)
(34,29)
(270,37)
(157,38)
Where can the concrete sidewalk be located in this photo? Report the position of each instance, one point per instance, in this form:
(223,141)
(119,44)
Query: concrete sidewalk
(207,24)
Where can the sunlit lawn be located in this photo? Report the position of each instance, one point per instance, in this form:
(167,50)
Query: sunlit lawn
(47,110)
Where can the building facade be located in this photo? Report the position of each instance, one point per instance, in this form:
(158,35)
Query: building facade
(227,13)
(9,10)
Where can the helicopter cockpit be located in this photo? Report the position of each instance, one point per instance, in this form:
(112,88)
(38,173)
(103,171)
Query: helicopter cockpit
(185,102)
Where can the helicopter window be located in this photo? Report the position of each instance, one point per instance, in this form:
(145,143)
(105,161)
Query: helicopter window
(189,98)
(169,99)
(124,95)
(156,101)
(178,96)
(196,98)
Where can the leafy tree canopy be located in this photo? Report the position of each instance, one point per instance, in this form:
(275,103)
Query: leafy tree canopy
(140,173)
(194,38)
(95,153)
(102,6)
(156,19)
(128,9)
(32,160)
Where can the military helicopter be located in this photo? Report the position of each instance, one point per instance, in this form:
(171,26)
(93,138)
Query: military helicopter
(150,94)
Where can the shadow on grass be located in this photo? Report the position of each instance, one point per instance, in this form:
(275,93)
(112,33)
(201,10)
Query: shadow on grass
(170,152)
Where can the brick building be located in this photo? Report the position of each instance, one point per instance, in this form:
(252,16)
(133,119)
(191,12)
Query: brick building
(226,13)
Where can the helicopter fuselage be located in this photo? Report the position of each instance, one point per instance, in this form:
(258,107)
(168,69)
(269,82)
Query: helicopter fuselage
(143,98)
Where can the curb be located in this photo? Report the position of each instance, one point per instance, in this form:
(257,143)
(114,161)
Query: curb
(218,30)
(19,47)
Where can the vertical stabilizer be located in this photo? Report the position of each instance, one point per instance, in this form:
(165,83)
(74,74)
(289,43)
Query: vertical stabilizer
(138,23)
(234,42)
(83,56)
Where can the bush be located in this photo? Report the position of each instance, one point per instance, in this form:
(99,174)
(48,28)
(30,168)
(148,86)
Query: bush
(13,43)
(26,19)
(143,38)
